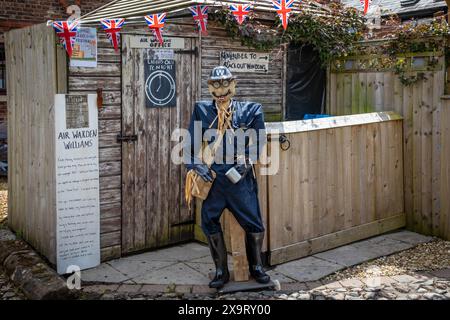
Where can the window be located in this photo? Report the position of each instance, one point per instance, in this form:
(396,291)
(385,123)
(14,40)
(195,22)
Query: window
(2,70)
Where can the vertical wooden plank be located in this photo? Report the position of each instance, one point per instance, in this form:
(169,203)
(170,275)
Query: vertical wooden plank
(438,104)
(332,96)
(314,176)
(371,92)
(362,87)
(347,94)
(379,92)
(372,178)
(306,191)
(388,92)
(427,152)
(355,175)
(339,94)
(128,162)
(417,156)
(140,152)
(361,208)
(339,208)
(444,221)
(348,181)
(408,134)
(355,93)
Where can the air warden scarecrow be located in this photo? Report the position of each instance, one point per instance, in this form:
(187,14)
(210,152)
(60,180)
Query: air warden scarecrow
(226,139)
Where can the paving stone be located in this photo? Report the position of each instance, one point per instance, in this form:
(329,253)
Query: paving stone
(348,255)
(153,288)
(100,288)
(203,289)
(404,278)
(443,273)
(376,282)
(295,286)
(103,273)
(333,285)
(409,237)
(275,275)
(134,268)
(352,283)
(178,273)
(129,288)
(206,268)
(382,246)
(185,252)
(308,269)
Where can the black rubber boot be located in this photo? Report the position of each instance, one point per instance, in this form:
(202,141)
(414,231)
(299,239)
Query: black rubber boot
(220,257)
(253,243)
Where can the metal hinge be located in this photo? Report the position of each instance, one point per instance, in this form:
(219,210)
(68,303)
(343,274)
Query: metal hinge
(122,138)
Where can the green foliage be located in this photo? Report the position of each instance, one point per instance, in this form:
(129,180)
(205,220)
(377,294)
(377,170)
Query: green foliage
(337,35)
(332,35)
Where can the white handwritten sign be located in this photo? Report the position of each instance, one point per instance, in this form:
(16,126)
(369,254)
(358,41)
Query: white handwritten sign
(240,61)
(77,182)
(148,42)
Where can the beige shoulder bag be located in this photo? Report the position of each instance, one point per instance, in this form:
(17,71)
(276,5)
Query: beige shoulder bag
(195,185)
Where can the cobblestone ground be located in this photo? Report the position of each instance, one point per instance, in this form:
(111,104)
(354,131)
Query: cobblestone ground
(400,287)
(7,289)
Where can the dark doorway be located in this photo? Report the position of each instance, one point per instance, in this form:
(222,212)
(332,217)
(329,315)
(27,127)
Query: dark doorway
(306,80)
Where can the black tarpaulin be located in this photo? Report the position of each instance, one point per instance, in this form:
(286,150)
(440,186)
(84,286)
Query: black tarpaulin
(305,90)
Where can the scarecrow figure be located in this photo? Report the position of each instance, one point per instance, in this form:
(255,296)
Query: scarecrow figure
(234,185)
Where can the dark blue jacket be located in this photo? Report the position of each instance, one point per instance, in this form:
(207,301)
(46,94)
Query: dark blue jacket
(247,115)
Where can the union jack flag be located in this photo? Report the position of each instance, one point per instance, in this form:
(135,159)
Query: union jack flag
(112,28)
(240,11)
(283,9)
(66,31)
(200,14)
(366,4)
(156,24)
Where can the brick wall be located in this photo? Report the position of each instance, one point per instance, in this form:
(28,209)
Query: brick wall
(19,13)
(22,13)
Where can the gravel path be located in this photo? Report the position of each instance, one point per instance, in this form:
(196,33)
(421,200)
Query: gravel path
(429,256)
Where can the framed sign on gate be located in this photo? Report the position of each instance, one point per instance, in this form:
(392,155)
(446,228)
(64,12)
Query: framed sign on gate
(160,79)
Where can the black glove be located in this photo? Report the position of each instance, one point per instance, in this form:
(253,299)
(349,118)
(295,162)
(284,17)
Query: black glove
(203,171)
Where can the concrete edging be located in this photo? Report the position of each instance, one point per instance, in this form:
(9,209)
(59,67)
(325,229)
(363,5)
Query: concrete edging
(30,272)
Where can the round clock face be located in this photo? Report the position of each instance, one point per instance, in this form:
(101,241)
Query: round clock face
(160,88)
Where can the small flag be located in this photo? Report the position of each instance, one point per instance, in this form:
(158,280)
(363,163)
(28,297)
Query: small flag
(112,28)
(366,4)
(283,9)
(200,14)
(66,31)
(156,24)
(240,11)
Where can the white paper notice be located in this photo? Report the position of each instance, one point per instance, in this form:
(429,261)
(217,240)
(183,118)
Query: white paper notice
(77,182)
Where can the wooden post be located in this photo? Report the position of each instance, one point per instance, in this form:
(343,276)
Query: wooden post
(238,252)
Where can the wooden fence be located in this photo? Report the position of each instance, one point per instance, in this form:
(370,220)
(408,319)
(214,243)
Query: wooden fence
(33,81)
(340,181)
(426,155)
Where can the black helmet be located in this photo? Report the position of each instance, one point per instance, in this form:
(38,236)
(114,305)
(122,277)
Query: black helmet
(221,73)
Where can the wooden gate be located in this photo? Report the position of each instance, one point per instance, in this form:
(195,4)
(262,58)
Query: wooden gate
(154,213)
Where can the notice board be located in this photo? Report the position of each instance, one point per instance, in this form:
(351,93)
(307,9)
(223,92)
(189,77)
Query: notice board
(77,182)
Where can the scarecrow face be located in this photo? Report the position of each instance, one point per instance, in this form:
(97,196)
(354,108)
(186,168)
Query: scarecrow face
(222,90)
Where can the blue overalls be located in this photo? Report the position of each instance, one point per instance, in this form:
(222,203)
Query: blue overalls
(241,198)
